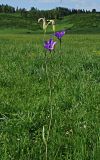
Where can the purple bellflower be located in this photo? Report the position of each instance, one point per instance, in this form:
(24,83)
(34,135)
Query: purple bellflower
(49,45)
(59,35)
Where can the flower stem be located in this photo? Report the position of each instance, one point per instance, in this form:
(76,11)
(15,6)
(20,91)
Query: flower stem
(60,43)
(49,81)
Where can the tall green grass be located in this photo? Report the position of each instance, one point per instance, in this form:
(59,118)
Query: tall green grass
(25,106)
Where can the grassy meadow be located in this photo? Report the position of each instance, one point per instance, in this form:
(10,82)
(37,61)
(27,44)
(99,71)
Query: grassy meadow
(49,103)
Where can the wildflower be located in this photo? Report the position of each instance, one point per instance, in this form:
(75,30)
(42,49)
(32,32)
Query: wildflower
(53,24)
(59,35)
(44,24)
(50,44)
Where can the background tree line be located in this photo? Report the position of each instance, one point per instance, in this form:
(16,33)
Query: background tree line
(56,13)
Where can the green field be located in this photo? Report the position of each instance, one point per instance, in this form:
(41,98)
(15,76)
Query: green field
(76,23)
(59,92)
(50,102)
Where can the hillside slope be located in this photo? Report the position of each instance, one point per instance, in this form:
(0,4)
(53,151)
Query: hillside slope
(16,23)
(82,23)
(78,23)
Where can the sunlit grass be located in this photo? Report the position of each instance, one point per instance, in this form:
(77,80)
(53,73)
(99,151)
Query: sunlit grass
(24,96)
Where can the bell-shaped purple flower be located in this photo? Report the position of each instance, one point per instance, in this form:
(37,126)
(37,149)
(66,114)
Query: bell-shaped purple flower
(49,45)
(60,34)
